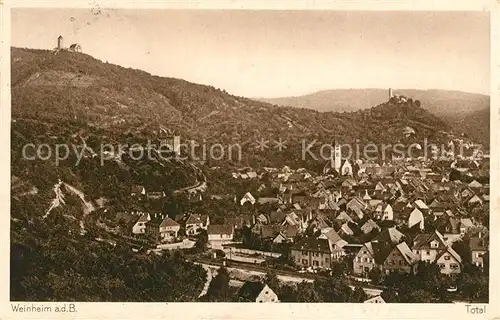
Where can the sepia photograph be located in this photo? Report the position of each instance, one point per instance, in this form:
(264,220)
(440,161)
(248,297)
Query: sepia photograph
(260,156)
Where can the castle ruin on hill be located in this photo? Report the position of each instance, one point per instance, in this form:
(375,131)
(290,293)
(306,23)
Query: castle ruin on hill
(75,47)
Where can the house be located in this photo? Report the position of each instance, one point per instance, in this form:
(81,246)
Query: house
(287,234)
(75,47)
(449,261)
(337,244)
(252,174)
(366,197)
(475,185)
(195,223)
(312,252)
(259,292)
(401,259)
(390,236)
(427,246)
(349,183)
(219,234)
(478,248)
(264,200)
(238,222)
(137,190)
(355,204)
(155,195)
(292,219)
(416,218)
(164,230)
(465,224)
(364,260)
(376,299)
(466,193)
(344,217)
(140,225)
(448,225)
(369,226)
(346,169)
(475,200)
(345,230)
(419,204)
(380,187)
(388,213)
(247,198)
(277,217)
(268,232)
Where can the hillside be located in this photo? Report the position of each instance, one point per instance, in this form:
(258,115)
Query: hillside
(476,125)
(75,100)
(60,208)
(109,103)
(452,105)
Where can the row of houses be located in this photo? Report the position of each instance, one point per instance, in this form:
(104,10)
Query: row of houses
(388,252)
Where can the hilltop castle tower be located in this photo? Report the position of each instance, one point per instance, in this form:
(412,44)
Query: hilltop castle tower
(59,42)
(390,93)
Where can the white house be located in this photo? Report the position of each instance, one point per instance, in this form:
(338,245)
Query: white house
(388,213)
(258,292)
(416,217)
(376,299)
(247,198)
(219,234)
(140,226)
(346,169)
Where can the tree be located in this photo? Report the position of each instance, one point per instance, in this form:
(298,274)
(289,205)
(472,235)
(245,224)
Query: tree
(334,289)
(340,268)
(271,279)
(455,175)
(375,275)
(475,286)
(427,278)
(418,296)
(287,293)
(463,250)
(201,241)
(390,295)
(358,295)
(306,292)
(417,103)
(218,289)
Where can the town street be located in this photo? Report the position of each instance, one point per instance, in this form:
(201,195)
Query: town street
(284,278)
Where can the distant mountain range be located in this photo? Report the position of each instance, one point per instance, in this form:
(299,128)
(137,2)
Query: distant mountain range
(452,105)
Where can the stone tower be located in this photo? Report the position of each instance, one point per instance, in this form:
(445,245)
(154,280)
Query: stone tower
(59,42)
(390,93)
(336,157)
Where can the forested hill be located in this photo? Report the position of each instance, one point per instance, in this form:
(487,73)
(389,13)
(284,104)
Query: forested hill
(452,105)
(75,99)
(111,102)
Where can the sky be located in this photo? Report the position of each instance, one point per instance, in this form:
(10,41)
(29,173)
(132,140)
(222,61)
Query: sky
(277,53)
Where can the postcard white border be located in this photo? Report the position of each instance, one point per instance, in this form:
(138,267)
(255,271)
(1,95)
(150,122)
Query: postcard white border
(253,311)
